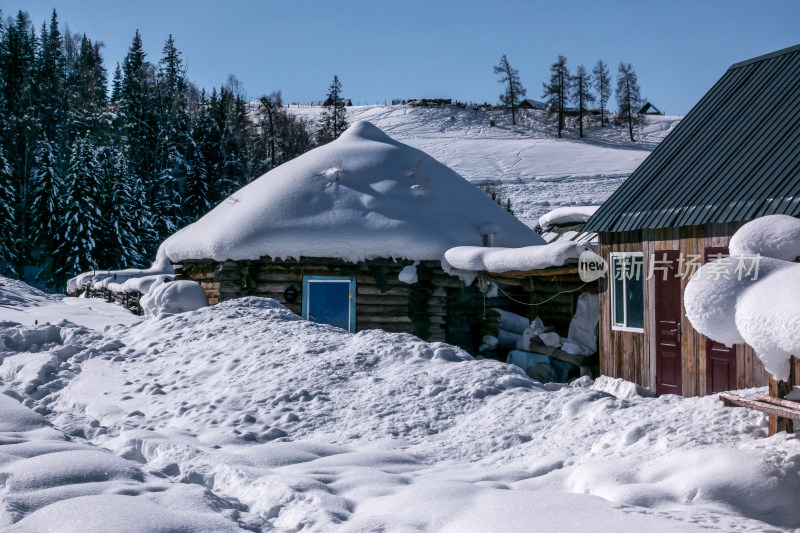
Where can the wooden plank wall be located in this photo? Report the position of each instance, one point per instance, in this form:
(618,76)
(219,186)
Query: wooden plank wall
(630,355)
(623,354)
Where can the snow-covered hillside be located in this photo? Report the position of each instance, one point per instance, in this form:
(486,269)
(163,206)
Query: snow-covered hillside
(243,416)
(532,167)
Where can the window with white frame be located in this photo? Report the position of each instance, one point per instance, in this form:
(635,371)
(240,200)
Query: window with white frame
(627,291)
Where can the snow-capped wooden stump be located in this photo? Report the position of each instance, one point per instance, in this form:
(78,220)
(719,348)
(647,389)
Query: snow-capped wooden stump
(778,391)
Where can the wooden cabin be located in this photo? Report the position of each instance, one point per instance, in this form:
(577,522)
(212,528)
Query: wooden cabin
(527,103)
(352,234)
(538,282)
(733,158)
(552,292)
(649,109)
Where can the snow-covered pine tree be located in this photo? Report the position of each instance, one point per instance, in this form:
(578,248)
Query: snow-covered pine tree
(7,234)
(138,107)
(228,168)
(514,92)
(50,79)
(46,215)
(166,204)
(173,139)
(144,217)
(116,84)
(81,213)
(87,92)
(557,91)
(125,241)
(333,120)
(581,93)
(20,123)
(196,195)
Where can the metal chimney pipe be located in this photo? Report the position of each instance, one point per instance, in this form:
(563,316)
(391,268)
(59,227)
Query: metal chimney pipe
(488,231)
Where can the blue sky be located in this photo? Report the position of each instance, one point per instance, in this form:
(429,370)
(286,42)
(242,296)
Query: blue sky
(404,49)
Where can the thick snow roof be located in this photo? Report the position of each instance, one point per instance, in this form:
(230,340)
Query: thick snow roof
(361,196)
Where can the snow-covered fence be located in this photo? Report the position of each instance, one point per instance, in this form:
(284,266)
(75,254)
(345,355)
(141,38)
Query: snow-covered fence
(129,300)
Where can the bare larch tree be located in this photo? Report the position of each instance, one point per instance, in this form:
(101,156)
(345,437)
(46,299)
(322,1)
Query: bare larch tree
(557,91)
(582,93)
(628,99)
(514,91)
(602,84)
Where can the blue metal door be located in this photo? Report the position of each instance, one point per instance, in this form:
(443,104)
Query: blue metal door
(329,300)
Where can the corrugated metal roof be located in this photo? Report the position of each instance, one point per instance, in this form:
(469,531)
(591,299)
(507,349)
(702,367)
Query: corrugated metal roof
(735,156)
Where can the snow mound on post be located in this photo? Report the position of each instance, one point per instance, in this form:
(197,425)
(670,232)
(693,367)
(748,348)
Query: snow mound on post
(776,236)
(170,298)
(761,309)
(713,293)
(361,196)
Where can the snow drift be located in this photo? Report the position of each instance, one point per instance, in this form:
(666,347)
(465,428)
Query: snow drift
(280,423)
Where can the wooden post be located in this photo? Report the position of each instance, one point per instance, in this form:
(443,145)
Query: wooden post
(779,389)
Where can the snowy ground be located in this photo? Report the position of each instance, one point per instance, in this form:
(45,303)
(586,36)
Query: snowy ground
(532,167)
(243,416)
(25,305)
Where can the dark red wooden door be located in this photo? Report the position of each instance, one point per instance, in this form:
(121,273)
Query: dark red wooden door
(667,322)
(720,360)
(720,367)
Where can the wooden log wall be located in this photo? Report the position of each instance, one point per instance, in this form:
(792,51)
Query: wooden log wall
(382,301)
(631,355)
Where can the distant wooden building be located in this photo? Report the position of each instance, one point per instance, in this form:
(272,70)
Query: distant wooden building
(650,109)
(532,104)
(430,102)
(733,158)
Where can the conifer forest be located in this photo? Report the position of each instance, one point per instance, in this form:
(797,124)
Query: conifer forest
(97,169)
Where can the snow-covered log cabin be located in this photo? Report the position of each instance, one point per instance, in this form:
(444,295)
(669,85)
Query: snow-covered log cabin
(735,157)
(351,234)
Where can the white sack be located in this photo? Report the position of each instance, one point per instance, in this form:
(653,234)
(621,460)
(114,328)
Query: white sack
(512,322)
(582,336)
